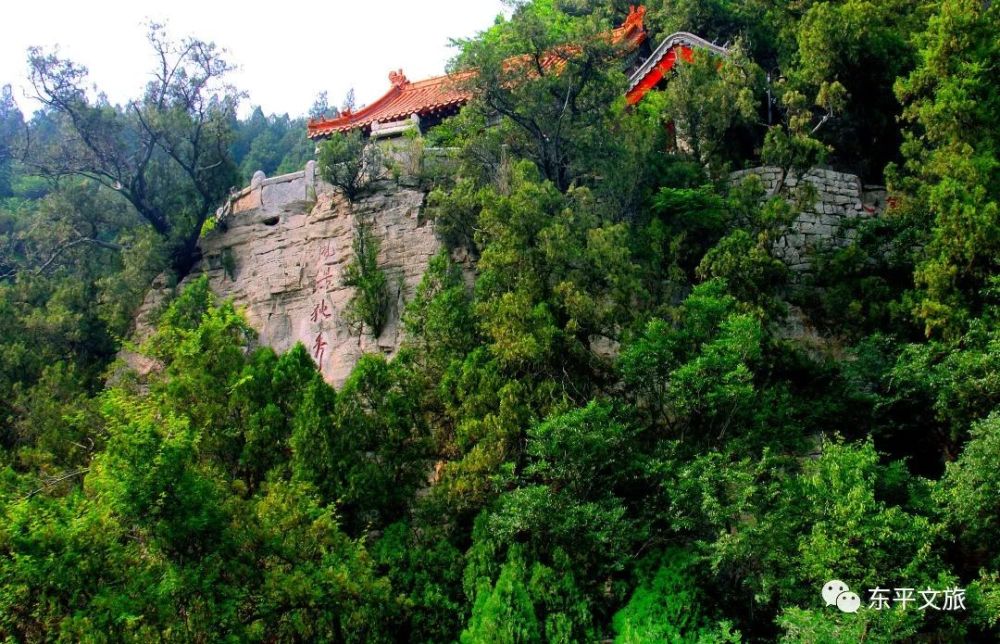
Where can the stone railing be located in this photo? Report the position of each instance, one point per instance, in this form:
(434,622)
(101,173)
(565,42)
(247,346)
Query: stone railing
(839,199)
(272,193)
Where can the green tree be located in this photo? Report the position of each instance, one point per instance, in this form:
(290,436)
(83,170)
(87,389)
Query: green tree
(705,98)
(553,273)
(425,569)
(969,505)
(667,606)
(166,154)
(350,163)
(274,144)
(367,446)
(951,177)
(967,494)
(439,318)
(564,77)
(504,613)
(369,303)
(314,582)
(696,379)
(12,130)
(848,56)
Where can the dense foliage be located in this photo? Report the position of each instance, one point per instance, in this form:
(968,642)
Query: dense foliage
(616,429)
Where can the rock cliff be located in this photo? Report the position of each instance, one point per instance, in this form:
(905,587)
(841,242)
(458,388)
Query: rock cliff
(279,250)
(280,247)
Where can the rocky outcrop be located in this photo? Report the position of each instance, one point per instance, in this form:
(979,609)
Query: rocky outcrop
(279,251)
(280,247)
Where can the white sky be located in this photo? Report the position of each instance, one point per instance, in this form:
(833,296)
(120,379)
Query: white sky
(288,52)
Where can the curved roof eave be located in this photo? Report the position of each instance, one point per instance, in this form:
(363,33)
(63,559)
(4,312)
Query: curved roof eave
(673,40)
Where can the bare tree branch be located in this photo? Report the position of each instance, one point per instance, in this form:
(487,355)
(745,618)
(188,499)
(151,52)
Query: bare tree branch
(63,248)
(47,483)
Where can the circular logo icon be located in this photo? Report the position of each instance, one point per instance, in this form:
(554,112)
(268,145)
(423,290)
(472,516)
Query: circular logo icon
(836,593)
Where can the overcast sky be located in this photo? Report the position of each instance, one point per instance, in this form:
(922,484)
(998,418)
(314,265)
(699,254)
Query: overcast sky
(288,52)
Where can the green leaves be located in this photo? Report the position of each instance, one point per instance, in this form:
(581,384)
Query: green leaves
(667,606)
(315,583)
(204,511)
(350,163)
(438,320)
(603,422)
(959,383)
(951,172)
(696,377)
(504,613)
(705,98)
(584,452)
(968,490)
(553,273)
(552,79)
(165,153)
(366,447)
(149,476)
(369,303)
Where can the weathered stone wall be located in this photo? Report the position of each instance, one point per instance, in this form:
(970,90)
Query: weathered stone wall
(287,256)
(840,199)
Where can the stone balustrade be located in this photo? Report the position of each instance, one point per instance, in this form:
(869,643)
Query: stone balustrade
(271,195)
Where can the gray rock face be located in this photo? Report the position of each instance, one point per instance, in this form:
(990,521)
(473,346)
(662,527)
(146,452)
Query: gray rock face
(281,259)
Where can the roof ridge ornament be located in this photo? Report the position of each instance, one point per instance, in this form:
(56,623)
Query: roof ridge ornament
(636,17)
(398,79)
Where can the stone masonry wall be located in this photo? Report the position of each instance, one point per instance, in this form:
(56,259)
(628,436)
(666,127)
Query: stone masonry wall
(840,200)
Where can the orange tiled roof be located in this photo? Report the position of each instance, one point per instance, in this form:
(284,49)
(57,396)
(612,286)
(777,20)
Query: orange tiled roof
(444,93)
(404,99)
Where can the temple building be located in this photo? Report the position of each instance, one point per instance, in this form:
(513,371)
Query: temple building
(425,103)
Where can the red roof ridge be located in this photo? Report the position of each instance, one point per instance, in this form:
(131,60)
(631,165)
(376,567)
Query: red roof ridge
(398,78)
(662,60)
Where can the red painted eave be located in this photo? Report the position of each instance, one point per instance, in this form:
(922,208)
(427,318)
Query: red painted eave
(663,59)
